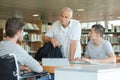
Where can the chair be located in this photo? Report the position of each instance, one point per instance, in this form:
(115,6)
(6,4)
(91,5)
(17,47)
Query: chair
(9,69)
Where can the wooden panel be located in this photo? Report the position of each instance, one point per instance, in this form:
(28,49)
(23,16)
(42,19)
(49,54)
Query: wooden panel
(1,34)
(118,59)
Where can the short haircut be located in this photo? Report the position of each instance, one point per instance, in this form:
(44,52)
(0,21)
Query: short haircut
(13,25)
(99,29)
(67,9)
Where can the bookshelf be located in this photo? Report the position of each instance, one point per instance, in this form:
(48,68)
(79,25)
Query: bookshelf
(31,40)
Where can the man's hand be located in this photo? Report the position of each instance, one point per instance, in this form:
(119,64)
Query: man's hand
(25,68)
(88,60)
(55,43)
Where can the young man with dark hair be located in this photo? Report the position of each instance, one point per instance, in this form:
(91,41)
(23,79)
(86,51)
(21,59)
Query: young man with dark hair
(13,30)
(98,49)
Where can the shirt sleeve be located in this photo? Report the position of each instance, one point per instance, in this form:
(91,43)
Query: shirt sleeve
(25,59)
(33,64)
(50,32)
(108,48)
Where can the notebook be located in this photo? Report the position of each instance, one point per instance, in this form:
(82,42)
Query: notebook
(55,62)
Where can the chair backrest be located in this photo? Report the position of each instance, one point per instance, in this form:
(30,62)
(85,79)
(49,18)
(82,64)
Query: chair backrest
(8,67)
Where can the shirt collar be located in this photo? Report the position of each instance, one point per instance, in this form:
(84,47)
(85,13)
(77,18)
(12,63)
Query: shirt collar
(69,25)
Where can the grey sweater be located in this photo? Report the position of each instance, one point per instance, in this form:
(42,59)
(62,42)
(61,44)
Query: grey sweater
(7,47)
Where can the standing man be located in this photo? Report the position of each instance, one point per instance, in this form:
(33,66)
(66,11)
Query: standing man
(66,33)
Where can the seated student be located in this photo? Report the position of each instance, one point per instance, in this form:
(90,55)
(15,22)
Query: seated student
(14,29)
(98,49)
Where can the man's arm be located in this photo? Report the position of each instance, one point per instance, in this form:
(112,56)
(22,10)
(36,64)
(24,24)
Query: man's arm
(73,46)
(54,42)
(111,59)
(46,39)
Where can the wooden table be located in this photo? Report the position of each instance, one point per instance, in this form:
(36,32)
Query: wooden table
(118,59)
(51,69)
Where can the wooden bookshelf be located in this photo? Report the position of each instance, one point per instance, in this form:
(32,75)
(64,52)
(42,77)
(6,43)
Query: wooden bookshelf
(32,37)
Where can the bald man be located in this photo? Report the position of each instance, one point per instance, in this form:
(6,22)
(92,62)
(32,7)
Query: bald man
(66,32)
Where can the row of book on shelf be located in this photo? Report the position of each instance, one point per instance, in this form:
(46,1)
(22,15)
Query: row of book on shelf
(31,37)
(111,39)
(116,48)
(29,48)
(30,26)
(26,47)
(113,29)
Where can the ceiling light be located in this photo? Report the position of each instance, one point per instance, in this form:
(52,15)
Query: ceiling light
(101,13)
(80,9)
(35,15)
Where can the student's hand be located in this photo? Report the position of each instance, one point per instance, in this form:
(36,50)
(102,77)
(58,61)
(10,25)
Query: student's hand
(88,60)
(55,43)
(28,69)
(25,68)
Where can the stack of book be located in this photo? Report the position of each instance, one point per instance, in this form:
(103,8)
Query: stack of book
(29,26)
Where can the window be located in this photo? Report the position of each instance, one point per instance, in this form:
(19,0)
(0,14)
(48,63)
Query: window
(90,24)
(102,23)
(113,23)
(84,25)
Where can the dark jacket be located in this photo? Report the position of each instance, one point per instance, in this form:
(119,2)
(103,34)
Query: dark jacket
(48,51)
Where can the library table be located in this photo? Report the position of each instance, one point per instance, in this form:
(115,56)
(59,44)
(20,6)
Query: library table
(88,72)
(51,69)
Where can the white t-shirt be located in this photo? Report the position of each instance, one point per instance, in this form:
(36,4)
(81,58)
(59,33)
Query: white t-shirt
(65,35)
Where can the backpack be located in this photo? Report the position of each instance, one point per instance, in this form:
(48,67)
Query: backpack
(48,51)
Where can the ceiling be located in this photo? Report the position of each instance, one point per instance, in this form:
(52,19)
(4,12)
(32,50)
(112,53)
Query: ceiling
(48,10)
